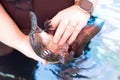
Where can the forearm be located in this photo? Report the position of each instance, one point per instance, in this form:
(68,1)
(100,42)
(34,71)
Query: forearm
(9,32)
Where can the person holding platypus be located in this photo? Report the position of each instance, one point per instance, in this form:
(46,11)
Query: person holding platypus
(67,19)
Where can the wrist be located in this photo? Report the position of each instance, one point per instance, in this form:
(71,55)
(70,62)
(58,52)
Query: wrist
(86,6)
(24,46)
(94,2)
(82,10)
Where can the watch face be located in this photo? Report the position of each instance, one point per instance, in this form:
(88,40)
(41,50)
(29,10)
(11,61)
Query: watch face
(87,5)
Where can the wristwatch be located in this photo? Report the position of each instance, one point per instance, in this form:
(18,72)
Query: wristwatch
(85,5)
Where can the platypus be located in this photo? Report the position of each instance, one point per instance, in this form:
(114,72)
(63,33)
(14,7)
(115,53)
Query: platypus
(43,45)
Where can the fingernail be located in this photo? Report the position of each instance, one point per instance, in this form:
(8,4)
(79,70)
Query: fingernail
(45,63)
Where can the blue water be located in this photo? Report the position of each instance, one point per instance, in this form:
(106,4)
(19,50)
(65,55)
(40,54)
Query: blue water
(103,61)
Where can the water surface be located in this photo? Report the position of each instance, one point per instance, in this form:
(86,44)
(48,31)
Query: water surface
(102,61)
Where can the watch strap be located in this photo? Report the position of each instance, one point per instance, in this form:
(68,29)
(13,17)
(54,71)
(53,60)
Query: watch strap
(85,5)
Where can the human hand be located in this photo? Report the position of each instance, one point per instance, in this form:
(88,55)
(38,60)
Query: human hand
(12,36)
(27,50)
(68,23)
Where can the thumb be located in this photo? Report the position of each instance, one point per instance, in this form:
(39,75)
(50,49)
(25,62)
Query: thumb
(37,58)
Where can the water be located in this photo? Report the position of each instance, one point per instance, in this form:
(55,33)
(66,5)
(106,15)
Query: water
(104,57)
(102,61)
